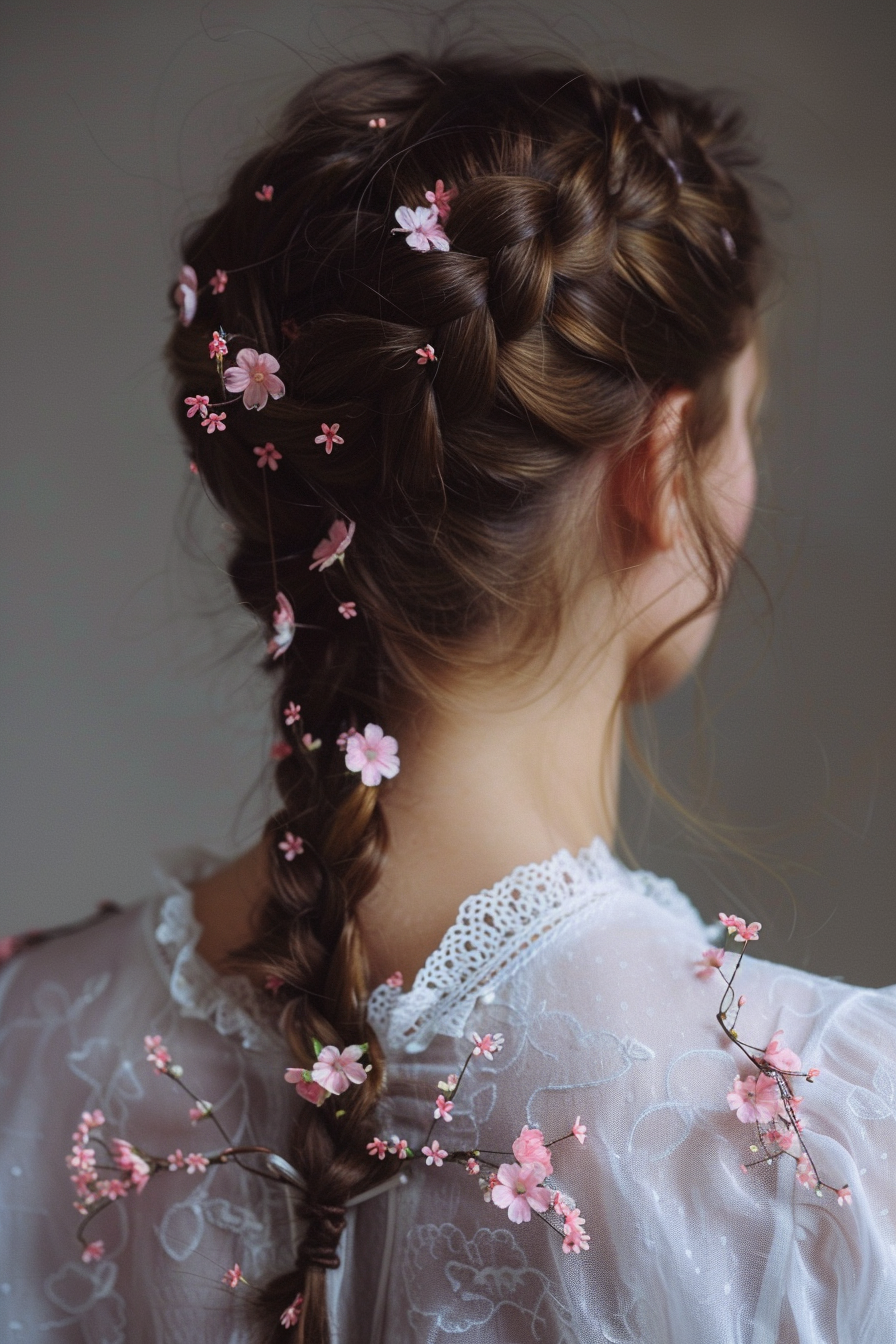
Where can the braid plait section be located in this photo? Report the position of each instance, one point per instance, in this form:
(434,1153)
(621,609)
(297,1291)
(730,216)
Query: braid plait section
(583,280)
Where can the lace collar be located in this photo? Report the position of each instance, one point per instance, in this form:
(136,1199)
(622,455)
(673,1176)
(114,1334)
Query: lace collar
(494,933)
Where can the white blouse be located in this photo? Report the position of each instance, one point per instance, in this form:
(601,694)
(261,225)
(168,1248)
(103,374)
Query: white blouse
(588,971)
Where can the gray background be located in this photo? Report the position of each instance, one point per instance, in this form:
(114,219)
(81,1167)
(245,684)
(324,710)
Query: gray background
(132,720)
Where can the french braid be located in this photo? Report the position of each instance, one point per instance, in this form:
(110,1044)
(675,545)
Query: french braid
(603,250)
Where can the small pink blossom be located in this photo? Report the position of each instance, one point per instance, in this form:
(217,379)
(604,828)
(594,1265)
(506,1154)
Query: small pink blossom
(487,1185)
(217,346)
(266,193)
(443,1109)
(395,980)
(844,1195)
(292,713)
(255,376)
(755,1097)
(780,1056)
(301,1079)
(442,199)
(196,1163)
(198,406)
(194,469)
(200,1111)
(333,546)
(273,983)
(284,623)
(377,123)
(449,1084)
(559,1204)
(784,1138)
(423,229)
(530,1150)
(378,1148)
(215,421)
(292,1312)
(374,754)
(335,1069)
(473,1166)
(434,1155)
(176,1160)
(579,1130)
(743,932)
(268,456)
(519,1191)
(218,281)
(742,1000)
(812,1075)
(400,1147)
(805,1172)
(329,436)
(292,846)
(575,1238)
(280,751)
(114,1189)
(185,294)
(310,743)
(94,1250)
(92,1119)
(488,1045)
(710,960)
(426,354)
(156,1054)
(233,1277)
(348,610)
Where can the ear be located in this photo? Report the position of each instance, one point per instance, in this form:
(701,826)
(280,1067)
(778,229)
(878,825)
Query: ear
(642,488)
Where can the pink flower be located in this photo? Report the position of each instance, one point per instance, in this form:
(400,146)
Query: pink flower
(194,469)
(449,1084)
(333,546)
(255,377)
(217,346)
(710,960)
(435,1154)
(94,1250)
(280,751)
(575,1238)
(784,1138)
(92,1119)
(529,1150)
(559,1204)
(519,1191)
(196,1162)
(232,1277)
(273,983)
(487,1185)
(377,123)
(348,610)
(185,294)
(377,1148)
(329,436)
(292,846)
(291,1314)
(310,743)
(489,1045)
(218,281)
(114,1189)
(81,1159)
(312,1092)
(844,1196)
(472,1166)
(743,932)
(781,1056)
(399,1146)
(176,1160)
(443,1108)
(395,980)
(442,199)
(215,421)
(200,1111)
(266,193)
(812,1075)
(579,1130)
(374,754)
(198,406)
(805,1172)
(426,354)
(424,232)
(292,713)
(755,1097)
(334,1070)
(268,456)
(156,1054)
(284,623)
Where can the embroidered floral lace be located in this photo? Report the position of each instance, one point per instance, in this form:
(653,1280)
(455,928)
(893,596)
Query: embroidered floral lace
(587,969)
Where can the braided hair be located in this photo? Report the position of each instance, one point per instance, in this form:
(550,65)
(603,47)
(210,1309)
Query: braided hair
(603,250)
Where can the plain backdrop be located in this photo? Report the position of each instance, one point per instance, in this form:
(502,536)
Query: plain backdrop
(133,719)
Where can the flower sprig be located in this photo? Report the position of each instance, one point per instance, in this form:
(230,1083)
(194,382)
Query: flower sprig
(765,1098)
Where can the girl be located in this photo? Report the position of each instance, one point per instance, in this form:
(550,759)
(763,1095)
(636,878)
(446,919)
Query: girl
(468,358)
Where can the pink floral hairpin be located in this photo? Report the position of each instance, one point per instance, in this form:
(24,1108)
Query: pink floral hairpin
(218,281)
(373,754)
(266,193)
(442,198)
(255,376)
(426,353)
(377,123)
(284,622)
(186,294)
(329,435)
(347,610)
(268,456)
(333,546)
(423,228)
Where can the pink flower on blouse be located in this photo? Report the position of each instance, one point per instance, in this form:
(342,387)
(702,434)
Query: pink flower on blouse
(94,1250)
(292,846)
(292,713)
(156,1054)
(472,1166)
(218,281)
(784,1138)
(442,199)
(579,1130)
(400,1147)
(196,1163)
(423,228)
(329,436)
(200,1111)
(530,1150)
(266,193)
(217,346)
(185,294)
(575,1238)
(284,623)
(232,1277)
(805,1173)
(844,1196)
(710,960)
(374,754)
(489,1045)
(291,1314)
(176,1160)
(812,1075)
(395,980)
(519,1191)
(348,610)
(780,1056)
(198,406)
(755,1097)
(443,1109)
(333,546)
(378,1148)
(435,1155)
(334,1070)
(255,376)
(268,456)
(215,421)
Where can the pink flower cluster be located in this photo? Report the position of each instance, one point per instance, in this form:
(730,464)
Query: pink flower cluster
(331,1075)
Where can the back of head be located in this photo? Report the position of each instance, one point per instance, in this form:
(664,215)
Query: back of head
(600,250)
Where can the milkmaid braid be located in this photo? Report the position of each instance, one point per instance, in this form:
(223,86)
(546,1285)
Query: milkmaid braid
(603,250)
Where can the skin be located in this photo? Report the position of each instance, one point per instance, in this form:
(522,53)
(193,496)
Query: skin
(527,763)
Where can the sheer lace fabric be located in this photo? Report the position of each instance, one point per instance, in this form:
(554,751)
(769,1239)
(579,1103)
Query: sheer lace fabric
(587,969)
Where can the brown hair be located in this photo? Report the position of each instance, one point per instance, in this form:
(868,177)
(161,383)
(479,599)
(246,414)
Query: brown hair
(603,250)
